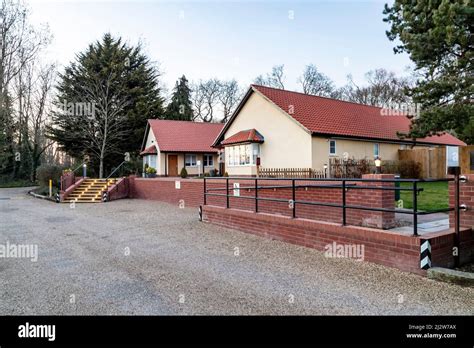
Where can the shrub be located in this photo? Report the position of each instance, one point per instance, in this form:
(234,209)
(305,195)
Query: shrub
(226,174)
(150,170)
(46,172)
(184,173)
(409,169)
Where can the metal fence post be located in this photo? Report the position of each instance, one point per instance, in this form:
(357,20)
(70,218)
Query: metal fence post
(205,191)
(227,191)
(415,208)
(344,202)
(256,195)
(293,197)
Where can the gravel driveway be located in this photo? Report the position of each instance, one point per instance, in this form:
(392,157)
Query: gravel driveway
(144,257)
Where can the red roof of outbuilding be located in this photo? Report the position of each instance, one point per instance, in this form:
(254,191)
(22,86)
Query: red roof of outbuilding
(249,135)
(185,136)
(334,117)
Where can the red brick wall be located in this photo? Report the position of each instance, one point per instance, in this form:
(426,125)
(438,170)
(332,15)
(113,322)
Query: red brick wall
(466,197)
(163,189)
(67,180)
(466,218)
(382,247)
(191,193)
(64,194)
(119,190)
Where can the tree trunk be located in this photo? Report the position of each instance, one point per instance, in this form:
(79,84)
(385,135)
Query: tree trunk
(101,167)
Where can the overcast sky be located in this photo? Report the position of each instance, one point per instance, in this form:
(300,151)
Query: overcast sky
(231,39)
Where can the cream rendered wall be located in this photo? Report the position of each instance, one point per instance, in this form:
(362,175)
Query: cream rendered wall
(357,149)
(162,167)
(286,144)
(151,140)
(193,170)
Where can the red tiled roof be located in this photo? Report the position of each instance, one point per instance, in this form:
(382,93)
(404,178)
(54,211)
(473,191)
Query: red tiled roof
(335,117)
(185,136)
(149,151)
(249,135)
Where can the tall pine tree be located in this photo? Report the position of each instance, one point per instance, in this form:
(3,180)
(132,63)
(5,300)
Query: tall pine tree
(121,85)
(180,107)
(437,35)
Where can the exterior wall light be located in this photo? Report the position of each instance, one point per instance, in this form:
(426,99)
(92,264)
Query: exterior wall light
(378,165)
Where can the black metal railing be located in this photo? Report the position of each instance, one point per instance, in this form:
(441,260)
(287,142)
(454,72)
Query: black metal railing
(343,184)
(120,166)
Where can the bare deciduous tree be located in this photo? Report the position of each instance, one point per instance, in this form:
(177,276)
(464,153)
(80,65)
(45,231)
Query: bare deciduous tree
(275,79)
(383,89)
(20,45)
(19,42)
(316,83)
(105,127)
(33,89)
(229,97)
(205,99)
(215,100)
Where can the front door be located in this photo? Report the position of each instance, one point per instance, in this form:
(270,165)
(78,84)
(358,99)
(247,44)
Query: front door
(172,165)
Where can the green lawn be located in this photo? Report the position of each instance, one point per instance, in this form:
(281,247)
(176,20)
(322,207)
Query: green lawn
(434,196)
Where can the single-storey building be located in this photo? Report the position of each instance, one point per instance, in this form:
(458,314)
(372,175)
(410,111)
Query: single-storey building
(276,128)
(168,146)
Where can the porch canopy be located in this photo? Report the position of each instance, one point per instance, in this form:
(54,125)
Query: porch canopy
(245,136)
(149,151)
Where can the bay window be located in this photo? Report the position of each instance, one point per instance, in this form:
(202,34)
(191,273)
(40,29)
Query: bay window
(242,155)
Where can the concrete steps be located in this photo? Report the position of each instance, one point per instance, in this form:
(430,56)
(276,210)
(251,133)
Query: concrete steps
(90,191)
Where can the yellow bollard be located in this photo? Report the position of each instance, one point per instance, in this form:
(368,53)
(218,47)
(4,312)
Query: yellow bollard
(50,187)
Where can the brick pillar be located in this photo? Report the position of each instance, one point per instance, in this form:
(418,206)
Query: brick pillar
(131,186)
(466,197)
(378,199)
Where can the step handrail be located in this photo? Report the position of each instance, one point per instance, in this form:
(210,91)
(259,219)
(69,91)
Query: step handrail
(79,166)
(121,164)
(72,172)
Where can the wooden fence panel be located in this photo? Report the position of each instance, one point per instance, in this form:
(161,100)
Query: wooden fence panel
(290,173)
(467,166)
(432,160)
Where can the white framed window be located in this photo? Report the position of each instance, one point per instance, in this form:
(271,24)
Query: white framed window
(236,155)
(242,155)
(150,160)
(208,160)
(376,150)
(190,161)
(255,152)
(332,147)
